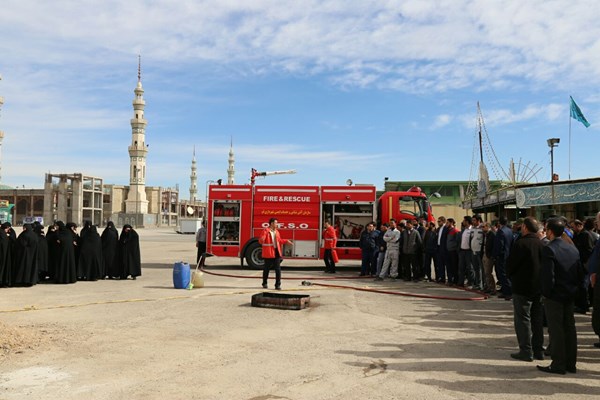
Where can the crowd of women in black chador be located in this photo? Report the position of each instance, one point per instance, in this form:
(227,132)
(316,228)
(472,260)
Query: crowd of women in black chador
(61,255)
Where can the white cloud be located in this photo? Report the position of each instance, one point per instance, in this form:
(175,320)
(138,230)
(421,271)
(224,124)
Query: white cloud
(441,121)
(504,116)
(438,46)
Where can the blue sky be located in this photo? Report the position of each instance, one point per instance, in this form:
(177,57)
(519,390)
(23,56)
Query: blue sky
(333,89)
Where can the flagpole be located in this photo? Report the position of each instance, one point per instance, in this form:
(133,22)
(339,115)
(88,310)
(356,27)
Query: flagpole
(569,145)
(575,113)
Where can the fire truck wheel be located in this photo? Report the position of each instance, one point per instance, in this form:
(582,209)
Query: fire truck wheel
(254,256)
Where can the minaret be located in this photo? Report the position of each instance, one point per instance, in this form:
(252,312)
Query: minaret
(193,179)
(231,168)
(1,135)
(136,202)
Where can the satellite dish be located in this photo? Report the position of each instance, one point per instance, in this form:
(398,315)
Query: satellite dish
(349,182)
(190,210)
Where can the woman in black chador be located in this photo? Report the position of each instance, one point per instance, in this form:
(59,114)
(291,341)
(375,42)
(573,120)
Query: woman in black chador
(25,272)
(91,265)
(53,245)
(5,256)
(86,228)
(72,228)
(66,267)
(42,251)
(110,246)
(129,253)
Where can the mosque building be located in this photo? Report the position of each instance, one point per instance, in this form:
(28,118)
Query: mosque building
(136,202)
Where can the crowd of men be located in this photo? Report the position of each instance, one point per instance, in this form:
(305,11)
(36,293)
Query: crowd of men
(547,269)
(62,255)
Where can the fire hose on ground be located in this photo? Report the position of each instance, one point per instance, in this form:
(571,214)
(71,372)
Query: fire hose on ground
(308,281)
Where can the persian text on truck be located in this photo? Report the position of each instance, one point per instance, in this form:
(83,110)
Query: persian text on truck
(237,214)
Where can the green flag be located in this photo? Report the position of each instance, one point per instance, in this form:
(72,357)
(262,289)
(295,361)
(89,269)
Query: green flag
(577,114)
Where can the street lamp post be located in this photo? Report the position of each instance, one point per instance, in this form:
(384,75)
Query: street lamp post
(552,143)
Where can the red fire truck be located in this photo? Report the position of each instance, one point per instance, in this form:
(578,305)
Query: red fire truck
(237,214)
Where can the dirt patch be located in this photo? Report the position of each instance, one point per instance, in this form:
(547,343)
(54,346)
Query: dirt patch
(17,339)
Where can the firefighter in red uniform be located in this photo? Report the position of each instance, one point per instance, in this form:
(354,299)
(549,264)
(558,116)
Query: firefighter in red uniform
(271,252)
(330,240)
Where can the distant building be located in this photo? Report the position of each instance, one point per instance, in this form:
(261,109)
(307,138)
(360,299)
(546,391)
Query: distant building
(161,202)
(78,198)
(578,198)
(72,197)
(20,203)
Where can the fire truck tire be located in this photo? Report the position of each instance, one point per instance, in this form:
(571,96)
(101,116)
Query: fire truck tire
(254,256)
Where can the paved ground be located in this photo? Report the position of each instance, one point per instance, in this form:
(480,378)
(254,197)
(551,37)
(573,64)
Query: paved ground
(145,340)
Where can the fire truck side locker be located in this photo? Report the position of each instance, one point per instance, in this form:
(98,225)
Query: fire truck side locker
(228,207)
(350,209)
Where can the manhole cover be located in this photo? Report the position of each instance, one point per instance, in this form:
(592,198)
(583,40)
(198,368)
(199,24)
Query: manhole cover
(281,300)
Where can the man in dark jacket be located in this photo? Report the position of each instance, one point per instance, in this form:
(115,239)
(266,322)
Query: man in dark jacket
(489,231)
(452,246)
(523,269)
(367,247)
(561,277)
(594,269)
(430,248)
(411,247)
(584,241)
(441,256)
(502,244)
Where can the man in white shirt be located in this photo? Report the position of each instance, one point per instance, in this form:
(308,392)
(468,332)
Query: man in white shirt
(464,254)
(200,241)
(392,253)
(477,252)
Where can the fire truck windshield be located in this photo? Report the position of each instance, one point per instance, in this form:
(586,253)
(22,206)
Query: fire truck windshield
(412,206)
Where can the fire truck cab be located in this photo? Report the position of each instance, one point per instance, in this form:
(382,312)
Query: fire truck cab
(237,214)
(412,204)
